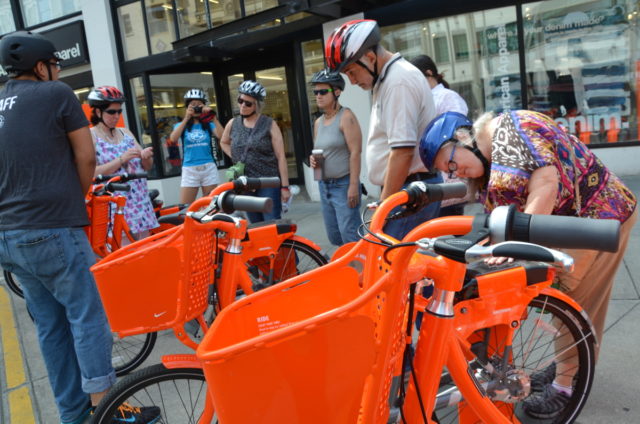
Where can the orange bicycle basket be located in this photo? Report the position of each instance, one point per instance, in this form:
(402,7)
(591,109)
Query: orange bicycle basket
(313,349)
(151,286)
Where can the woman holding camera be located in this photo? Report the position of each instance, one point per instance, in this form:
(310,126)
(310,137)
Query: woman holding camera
(255,140)
(195,133)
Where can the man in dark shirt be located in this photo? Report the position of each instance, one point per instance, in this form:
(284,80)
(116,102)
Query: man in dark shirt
(48,160)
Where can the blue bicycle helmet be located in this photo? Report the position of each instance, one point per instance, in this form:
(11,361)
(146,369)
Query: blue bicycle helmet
(439,131)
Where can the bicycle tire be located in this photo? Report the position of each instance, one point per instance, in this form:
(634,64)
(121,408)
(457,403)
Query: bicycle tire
(180,394)
(12,283)
(306,258)
(533,348)
(129,353)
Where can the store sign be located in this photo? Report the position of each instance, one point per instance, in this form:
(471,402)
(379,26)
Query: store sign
(70,43)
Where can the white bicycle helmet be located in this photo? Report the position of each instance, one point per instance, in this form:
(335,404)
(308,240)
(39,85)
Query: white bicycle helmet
(196,94)
(253,89)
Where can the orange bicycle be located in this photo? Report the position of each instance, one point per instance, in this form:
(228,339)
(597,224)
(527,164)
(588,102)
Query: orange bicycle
(334,344)
(231,260)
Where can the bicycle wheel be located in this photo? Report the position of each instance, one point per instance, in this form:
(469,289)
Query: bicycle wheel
(293,258)
(12,283)
(129,352)
(550,334)
(179,393)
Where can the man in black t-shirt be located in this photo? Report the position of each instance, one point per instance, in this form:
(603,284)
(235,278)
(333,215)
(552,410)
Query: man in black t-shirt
(48,160)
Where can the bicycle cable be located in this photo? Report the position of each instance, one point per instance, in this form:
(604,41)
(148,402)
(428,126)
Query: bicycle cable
(395,246)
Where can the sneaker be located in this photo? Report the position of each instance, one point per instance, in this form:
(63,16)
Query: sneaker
(547,404)
(136,414)
(541,379)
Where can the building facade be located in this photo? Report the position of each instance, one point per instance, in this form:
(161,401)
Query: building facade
(574,61)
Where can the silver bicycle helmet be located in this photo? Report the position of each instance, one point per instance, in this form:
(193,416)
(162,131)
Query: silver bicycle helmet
(196,94)
(253,89)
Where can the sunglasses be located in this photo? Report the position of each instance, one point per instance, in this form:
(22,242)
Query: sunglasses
(247,103)
(56,63)
(322,92)
(113,111)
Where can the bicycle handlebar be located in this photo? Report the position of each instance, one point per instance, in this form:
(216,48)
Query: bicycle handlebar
(506,223)
(111,187)
(248,184)
(231,202)
(101,178)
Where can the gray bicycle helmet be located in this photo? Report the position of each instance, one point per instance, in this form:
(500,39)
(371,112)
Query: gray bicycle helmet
(196,94)
(253,89)
(334,79)
(22,50)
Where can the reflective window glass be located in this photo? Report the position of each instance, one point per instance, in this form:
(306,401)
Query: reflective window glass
(313,60)
(192,17)
(477,53)
(251,7)
(224,11)
(6,17)
(160,24)
(582,66)
(132,33)
(35,12)
(168,106)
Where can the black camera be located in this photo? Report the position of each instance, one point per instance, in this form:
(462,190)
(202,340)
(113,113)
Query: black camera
(197,109)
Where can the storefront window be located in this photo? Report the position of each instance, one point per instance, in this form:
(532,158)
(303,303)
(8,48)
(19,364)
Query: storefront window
(224,11)
(6,17)
(35,12)
(132,33)
(168,106)
(583,66)
(313,59)
(251,7)
(160,23)
(477,53)
(192,17)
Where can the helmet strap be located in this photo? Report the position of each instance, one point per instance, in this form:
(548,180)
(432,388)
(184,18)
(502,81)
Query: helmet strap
(476,151)
(373,73)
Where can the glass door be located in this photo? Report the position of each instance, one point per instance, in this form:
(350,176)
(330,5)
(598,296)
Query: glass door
(276,106)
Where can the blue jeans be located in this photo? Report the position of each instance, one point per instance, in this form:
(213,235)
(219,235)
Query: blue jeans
(340,221)
(276,213)
(399,228)
(52,266)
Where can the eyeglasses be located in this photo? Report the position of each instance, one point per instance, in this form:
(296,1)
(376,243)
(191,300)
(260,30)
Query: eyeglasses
(452,165)
(247,103)
(113,111)
(56,63)
(322,92)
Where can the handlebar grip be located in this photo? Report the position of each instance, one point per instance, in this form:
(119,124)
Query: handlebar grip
(247,184)
(438,192)
(101,178)
(231,202)
(117,187)
(133,176)
(567,232)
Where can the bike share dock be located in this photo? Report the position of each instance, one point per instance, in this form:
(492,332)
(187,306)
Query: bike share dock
(27,397)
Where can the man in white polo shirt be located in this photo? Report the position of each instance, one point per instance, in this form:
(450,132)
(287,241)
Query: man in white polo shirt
(402,108)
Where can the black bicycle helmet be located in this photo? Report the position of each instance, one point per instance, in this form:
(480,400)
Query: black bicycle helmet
(104,96)
(253,89)
(334,79)
(22,50)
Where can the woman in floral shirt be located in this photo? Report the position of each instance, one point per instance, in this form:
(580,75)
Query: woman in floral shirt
(524,158)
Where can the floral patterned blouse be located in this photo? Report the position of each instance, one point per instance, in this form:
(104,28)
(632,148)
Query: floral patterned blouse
(525,141)
(138,211)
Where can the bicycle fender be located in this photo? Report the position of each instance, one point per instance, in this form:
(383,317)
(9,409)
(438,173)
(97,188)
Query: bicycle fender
(306,241)
(180,361)
(550,291)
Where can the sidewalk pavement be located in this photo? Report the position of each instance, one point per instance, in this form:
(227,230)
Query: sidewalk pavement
(27,398)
